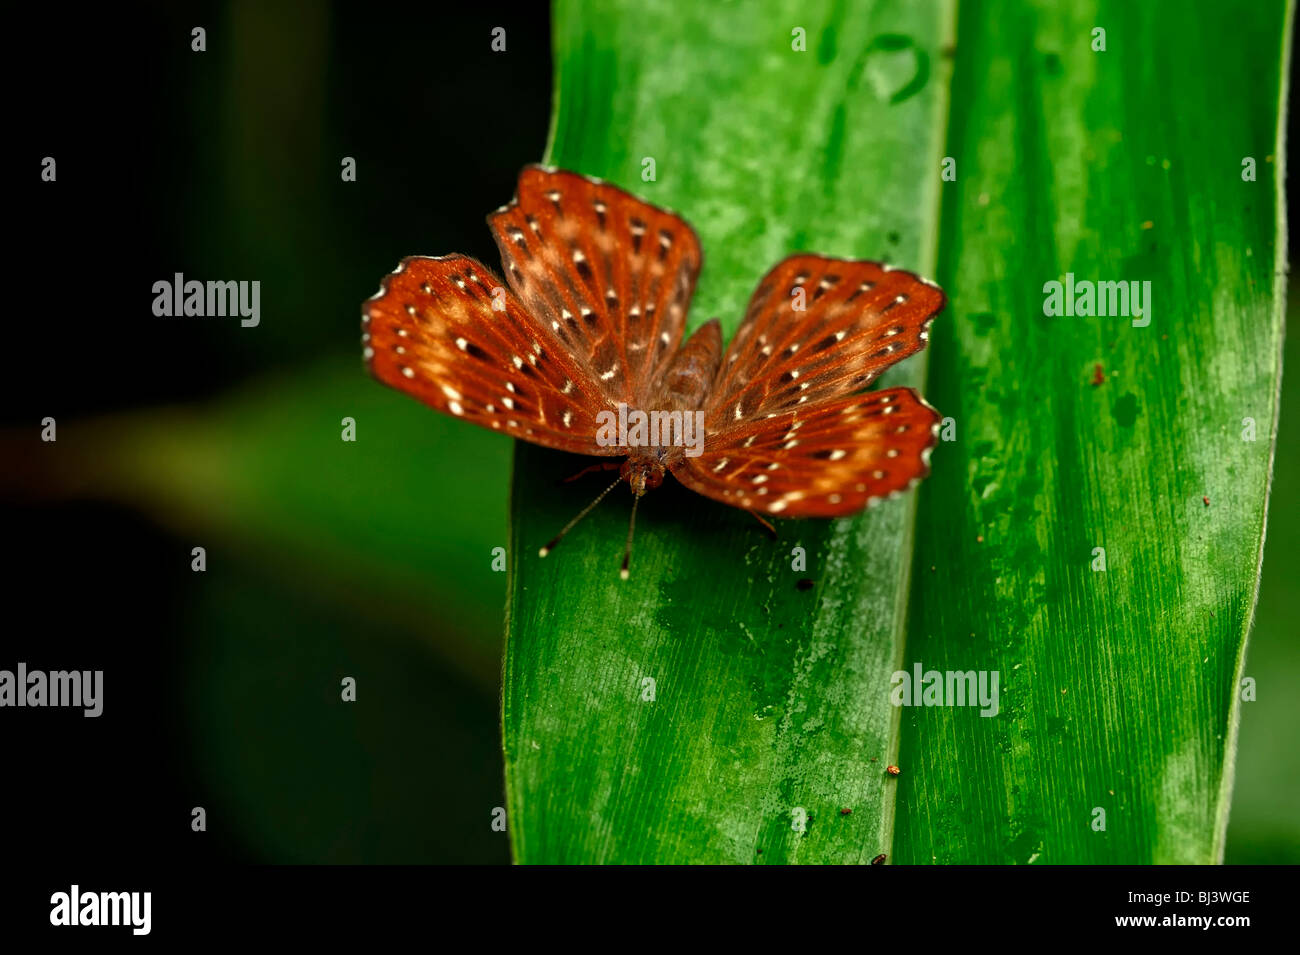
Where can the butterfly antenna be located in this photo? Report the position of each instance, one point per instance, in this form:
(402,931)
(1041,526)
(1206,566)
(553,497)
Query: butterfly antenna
(627,551)
(766,523)
(581,514)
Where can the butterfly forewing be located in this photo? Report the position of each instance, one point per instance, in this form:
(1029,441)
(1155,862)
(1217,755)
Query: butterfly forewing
(447,331)
(611,276)
(818,328)
(825,461)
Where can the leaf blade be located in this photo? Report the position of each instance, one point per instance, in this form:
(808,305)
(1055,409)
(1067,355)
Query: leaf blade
(594,772)
(1118,687)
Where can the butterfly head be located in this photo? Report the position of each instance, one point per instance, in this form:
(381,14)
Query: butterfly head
(643,472)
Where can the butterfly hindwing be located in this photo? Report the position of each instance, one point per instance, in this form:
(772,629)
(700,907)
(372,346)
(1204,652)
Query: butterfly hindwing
(826,461)
(448,332)
(611,276)
(819,328)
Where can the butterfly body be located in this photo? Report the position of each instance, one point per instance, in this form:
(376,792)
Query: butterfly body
(683,387)
(685,383)
(587,329)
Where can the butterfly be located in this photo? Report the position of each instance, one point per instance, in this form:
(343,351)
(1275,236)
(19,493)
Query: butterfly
(587,330)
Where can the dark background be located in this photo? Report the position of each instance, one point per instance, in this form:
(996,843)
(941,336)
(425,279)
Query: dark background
(226,164)
(221,689)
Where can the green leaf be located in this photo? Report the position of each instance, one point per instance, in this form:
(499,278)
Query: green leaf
(1265,828)
(770,703)
(766,696)
(1118,687)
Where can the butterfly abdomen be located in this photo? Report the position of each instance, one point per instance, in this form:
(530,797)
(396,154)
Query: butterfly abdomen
(685,382)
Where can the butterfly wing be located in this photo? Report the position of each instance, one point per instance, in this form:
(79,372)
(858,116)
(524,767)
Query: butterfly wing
(819,328)
(787,430)
(610,276)
(447,332)
(826,461)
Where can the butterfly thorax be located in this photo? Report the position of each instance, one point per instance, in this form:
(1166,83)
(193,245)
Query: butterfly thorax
(680,390)
(685,381)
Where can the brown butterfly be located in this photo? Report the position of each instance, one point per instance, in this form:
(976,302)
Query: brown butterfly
(587,332)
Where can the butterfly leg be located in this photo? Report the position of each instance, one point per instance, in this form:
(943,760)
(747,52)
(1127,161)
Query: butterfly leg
(602,466)
(765,522)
